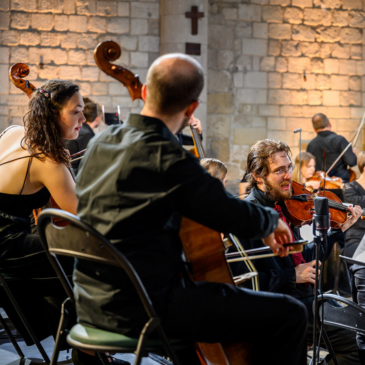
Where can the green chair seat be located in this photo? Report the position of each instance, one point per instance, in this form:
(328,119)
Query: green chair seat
(93,336)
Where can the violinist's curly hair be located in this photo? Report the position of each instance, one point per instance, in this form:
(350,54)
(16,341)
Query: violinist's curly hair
(43,137)
(259,157)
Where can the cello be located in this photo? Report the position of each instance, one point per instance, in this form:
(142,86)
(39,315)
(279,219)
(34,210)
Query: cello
(204,251)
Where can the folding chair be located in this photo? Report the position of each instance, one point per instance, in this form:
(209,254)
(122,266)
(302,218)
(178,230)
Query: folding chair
(81,241)
(4,283)
(348,314)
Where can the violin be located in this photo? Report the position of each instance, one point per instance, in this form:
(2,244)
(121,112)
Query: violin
(299,209)
(17,73)
(326,181)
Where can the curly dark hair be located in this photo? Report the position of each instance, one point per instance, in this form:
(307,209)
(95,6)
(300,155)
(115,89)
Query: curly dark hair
(43,136)
(259,156)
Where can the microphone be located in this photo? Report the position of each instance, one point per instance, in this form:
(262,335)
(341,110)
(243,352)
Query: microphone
(298,130)
(321,218)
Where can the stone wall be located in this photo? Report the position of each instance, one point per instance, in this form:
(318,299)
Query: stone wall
(62,35)
(273,64)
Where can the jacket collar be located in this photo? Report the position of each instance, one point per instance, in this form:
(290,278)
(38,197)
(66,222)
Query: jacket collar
(150,124)
(262,198)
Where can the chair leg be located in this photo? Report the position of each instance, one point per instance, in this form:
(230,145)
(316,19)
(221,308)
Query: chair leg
(11,337)
(331,354)
(61,332)
(169,349)
(103,358)
(24,320)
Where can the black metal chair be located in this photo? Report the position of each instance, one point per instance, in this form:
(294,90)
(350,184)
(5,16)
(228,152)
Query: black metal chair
(81,241)
(4,282)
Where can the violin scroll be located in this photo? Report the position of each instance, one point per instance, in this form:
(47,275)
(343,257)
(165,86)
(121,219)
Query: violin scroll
(110,51)
(17,73)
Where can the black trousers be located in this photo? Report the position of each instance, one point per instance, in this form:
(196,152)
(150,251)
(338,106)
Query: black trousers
(212,312)
(34,284)
(358,295)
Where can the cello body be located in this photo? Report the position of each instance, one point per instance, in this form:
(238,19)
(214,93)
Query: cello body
(205,252)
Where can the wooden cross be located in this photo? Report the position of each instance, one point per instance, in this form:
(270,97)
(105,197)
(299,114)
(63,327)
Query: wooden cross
(194,15)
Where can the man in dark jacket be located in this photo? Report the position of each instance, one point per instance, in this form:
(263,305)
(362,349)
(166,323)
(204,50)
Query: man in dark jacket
(269,173)
(334,145)
(134,185)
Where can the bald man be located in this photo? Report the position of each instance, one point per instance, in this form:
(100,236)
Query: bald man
(334,145)
(134,185)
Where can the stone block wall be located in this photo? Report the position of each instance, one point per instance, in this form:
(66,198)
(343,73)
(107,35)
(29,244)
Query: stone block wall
(62,34)
(273,64)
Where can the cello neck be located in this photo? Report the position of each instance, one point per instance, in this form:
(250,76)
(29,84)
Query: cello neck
(197,143)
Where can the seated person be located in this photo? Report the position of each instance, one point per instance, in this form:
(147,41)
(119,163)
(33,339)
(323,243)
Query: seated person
(358,291)
(307,168)
(34,165)
(244,189)
(216,168)
(269,171)
(93,115)
(354,193)
(141,191)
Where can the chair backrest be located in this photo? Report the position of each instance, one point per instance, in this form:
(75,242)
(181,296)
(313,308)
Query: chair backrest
(351,261)
(81,241)
(350,316)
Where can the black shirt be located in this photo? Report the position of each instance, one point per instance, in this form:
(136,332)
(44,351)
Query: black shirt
(134,184)
(334,145)
(80,143)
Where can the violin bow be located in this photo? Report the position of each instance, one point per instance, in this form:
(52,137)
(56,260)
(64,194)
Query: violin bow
(353,144)
(244,257)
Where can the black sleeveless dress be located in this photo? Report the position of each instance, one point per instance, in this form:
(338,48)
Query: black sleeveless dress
(31,277)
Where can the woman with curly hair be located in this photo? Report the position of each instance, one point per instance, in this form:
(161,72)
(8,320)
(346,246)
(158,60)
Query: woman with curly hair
(34,165)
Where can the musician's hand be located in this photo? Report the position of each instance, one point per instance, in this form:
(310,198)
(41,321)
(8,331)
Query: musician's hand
(306,273)
(354,150)
(67,151)
(313,184)
(276,239)
(356,212)
(195,123)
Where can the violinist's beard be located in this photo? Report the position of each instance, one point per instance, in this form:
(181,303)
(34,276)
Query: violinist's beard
(274,193)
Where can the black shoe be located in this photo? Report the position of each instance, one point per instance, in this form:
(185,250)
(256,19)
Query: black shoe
(115,361)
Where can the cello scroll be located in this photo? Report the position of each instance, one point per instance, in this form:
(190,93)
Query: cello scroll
(17,73)
(110,51)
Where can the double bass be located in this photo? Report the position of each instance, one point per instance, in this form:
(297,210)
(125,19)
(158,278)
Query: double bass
(203,246)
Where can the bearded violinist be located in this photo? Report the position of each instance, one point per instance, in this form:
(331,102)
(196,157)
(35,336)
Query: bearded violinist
(142,182)
(269,172)
(334,145)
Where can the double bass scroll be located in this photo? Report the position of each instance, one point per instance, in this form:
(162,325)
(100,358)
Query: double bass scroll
(17,73)
(110,51)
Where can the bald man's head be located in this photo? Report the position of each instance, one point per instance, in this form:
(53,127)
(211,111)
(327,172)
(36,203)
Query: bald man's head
(174,81)
(320,121)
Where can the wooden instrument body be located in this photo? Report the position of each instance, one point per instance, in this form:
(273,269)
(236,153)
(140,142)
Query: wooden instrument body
(300,212)
(326,181)
(205,252)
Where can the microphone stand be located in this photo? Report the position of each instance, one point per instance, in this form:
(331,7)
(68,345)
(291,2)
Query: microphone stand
(320,225)
(300,152)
